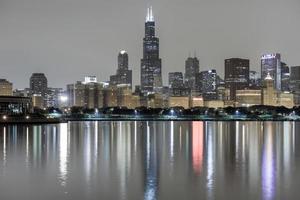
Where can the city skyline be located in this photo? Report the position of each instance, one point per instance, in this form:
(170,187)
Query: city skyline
(32,47)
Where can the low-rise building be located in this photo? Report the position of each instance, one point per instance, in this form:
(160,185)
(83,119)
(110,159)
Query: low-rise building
(10,105)
(246,98)
(179,101)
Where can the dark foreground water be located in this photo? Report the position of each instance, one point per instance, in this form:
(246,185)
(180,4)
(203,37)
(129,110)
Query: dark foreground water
(151,160)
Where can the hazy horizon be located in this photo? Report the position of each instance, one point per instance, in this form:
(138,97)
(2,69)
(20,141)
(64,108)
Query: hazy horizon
(69,39)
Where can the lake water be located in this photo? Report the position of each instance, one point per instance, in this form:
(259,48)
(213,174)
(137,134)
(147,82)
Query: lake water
(150,160)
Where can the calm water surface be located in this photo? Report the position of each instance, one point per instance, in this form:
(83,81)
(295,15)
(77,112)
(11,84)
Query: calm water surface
(151,160)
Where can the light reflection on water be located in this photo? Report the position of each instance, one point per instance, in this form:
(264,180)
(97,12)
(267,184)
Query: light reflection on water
(151,160)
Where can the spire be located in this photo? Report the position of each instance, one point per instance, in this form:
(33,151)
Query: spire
(150,17)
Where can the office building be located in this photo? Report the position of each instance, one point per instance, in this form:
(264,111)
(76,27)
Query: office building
(248,97)
(206,82)
(11,105)
(38,84)
(236,75)
(175,79)
(271,65)
(295,83)
(191,69)
(6,88)
(123,74)
(285,77)
(88,94)
(151,72)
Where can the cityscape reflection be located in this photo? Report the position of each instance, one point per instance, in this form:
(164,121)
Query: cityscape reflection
(150,160)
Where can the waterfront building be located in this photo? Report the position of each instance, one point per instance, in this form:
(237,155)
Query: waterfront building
(38,84)
(236,75)
(37,101)
(286,99)
(52,97)
(269,93)
(191,70)
(88,94)
(179,101)
(155,100)
(6,88)
(110,96)
(151,72)
(123,74)
(196,101)
(22,92)
(214,104)
(206,82)
(271,65)
(248,97)
(11,105)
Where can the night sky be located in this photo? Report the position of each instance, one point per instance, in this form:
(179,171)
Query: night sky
(68,39)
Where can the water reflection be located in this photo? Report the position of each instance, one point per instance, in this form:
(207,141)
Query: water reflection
(151,160)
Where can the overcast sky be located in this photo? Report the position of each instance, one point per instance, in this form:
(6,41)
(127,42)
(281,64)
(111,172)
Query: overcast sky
(68,39)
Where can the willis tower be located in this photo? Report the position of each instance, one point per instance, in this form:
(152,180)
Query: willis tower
(151,78)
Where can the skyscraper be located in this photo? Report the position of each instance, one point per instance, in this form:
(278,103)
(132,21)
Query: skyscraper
(191,69)
(271,64)
(236,75)
(38,84)
(295,83)
(207,84)
(123,75)
(175,79)
(151,78)
(285,77)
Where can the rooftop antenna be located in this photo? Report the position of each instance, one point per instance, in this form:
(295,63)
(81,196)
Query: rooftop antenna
(150,17)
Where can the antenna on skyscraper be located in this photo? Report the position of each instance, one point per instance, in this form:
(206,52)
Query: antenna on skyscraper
(150,17)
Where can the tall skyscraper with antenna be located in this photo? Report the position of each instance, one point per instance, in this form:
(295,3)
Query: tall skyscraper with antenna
(151,78)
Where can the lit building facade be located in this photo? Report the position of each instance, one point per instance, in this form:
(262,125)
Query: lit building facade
(179,101)
(249,97)
(271,64)
(123,75)
(12,105)
(192,68)
(175,79)
(6,88)
(206,82)
(38,84)
(151,72)
(269,93)
(88,94)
